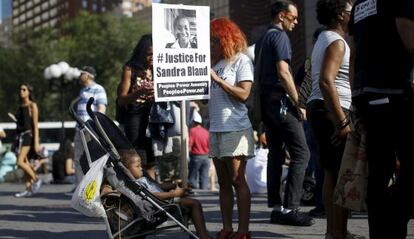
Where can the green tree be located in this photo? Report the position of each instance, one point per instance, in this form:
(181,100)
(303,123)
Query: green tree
(103,41)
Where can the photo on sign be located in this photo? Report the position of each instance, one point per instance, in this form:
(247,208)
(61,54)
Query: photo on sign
(182,25)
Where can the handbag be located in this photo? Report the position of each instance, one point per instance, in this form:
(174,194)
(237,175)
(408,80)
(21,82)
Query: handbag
(160,119)
(351,188)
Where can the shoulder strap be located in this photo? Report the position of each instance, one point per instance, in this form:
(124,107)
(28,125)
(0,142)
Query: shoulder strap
(258,63)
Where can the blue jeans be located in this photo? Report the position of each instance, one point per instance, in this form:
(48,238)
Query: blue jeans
(199,165)
(389,135)
(284,133)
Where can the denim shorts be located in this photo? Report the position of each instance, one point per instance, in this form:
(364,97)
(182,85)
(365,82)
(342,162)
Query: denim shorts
(232,144)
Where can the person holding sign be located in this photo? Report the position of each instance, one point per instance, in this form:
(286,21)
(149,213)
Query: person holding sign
(135,98)
(182,34)
(231,133)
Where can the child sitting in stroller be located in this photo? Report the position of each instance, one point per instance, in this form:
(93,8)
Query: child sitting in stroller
(131,160)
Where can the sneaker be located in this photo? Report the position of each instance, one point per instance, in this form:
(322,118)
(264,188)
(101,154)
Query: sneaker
(275,217)
(25,193)
(36,186)
(295,218)
(317,212)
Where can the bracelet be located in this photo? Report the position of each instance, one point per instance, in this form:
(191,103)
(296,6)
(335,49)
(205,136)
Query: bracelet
(343,123)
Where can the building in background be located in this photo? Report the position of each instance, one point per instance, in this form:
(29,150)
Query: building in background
(129,7)
(38,14)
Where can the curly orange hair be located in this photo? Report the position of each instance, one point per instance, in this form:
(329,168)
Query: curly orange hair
(232,39)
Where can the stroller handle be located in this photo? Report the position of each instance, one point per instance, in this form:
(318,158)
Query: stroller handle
(72,112)
(101,132)
(89,107)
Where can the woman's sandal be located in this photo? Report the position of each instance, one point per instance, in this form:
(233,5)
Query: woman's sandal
(223,234)
(241,235)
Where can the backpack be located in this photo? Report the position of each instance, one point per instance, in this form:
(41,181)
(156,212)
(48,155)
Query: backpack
(253,102)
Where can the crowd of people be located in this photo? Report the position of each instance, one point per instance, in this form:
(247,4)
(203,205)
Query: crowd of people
(353,76)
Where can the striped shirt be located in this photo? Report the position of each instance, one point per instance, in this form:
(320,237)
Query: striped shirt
(226,113)
(94,90)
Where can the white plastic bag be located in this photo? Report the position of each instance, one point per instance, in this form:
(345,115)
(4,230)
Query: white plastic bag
(86,198)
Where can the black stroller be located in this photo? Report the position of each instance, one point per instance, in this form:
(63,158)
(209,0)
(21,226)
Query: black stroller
(131,211)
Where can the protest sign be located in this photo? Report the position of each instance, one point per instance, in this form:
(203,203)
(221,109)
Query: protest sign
(181,51)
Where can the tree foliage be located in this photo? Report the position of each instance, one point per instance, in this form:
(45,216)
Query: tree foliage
(103,41)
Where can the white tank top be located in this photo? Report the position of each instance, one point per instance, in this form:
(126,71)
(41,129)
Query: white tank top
(325,39)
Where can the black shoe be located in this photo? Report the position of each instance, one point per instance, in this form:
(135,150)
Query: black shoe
(296,218)
(317,212)
(275,217)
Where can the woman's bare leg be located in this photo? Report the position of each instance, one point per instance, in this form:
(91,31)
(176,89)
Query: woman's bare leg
(238,168)
(24,164)
(225,193)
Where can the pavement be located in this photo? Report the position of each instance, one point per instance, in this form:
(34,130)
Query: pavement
(48,215)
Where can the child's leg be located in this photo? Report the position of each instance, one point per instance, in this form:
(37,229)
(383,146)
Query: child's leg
(196,215)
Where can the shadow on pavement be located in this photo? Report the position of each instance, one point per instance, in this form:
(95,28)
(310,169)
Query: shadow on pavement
(40,234)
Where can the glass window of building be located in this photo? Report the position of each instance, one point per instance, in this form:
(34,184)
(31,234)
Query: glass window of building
(45,5)
(37,10)
(53,12)
(37,20)
(45,16)
(29,14)
(30,23)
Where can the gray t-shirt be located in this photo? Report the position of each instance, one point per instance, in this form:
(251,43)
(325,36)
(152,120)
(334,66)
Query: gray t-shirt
(226,113)
(325,39)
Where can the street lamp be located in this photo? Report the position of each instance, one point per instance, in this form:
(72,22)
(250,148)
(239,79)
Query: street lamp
(60,76)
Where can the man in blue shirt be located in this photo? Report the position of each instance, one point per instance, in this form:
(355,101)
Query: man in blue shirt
(282,119)
(90,89)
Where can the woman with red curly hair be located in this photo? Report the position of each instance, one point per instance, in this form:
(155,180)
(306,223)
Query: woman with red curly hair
(231,133)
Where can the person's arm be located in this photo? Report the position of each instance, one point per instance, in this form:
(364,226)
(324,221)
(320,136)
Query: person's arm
(69,167)
(329,70)
(124,97)
(2,134)
(405,28)
(178,192)
(287,81)
(240,92)
(35,121)
(191,140)
(351,63)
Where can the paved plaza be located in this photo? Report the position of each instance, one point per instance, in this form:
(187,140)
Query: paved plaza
(48,215)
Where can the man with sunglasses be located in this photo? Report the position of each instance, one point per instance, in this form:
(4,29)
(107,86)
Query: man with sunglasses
(282,119)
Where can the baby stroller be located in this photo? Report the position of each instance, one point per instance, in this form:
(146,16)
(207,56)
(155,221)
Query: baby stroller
(131,211)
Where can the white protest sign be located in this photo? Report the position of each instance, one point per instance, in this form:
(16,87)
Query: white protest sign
(181,51)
